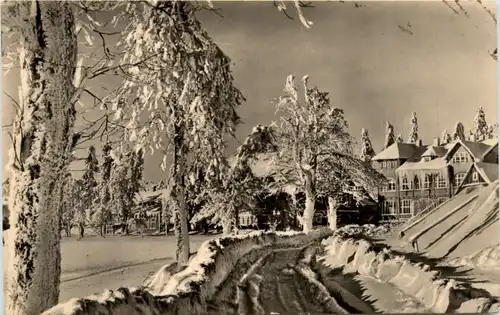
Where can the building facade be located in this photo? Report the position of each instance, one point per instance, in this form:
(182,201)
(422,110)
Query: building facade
(425,176)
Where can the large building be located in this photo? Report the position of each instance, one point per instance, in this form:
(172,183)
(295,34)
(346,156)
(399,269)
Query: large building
(424,176)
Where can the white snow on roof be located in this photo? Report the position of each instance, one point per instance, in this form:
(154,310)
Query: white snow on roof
(435,164)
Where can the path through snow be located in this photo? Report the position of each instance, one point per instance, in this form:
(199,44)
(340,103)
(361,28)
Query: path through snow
(282,281)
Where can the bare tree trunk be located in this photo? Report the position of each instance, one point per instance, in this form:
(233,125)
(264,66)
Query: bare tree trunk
(44,140)
(179,198)
(332,213)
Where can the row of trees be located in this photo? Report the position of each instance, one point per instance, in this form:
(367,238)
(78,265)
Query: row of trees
(481,131)
(106,193)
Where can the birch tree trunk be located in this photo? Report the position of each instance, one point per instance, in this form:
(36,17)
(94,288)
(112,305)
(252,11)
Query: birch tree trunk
(332,213)
(179,198)
(44,133)
(308,216)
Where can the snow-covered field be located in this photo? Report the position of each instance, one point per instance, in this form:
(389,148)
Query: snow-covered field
(96,254)
(93,263)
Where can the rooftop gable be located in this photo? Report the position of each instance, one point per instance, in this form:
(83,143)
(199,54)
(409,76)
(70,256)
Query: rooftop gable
(475,149)
(434,151)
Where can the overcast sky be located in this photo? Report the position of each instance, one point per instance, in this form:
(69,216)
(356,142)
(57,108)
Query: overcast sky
(372,69)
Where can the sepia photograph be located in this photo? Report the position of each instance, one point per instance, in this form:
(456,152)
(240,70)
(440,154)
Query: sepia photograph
(249,157)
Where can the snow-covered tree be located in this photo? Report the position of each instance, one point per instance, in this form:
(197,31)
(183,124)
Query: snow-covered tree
(459,133)
(187,87)
(480,126)
(492,131)
(102,206)
(91,193)
(125,182)
(470,134)
(314,144)
(389,135)
(238,189)
(399,138)
(445,137)
(42,143)
(367,151)
(118,183)
(413,135)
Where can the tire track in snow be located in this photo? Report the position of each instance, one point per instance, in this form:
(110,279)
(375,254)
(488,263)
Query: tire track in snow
(278,281)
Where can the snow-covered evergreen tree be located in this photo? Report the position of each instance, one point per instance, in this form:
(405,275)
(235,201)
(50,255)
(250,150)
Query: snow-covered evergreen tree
(239,188)
(119,186)
(492,132)
(90,194)
(459,133)
(389,135)
(102,214)
(481,127)
(314,144)
(445,137)
(470,135)
(399,138)
(413,135)
(187,87)
(367,151)
(42,146)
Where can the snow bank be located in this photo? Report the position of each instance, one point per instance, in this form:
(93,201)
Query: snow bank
(187,291)
(437,294)
(486,258)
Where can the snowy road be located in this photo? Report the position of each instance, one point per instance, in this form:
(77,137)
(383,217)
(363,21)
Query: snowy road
(281,281)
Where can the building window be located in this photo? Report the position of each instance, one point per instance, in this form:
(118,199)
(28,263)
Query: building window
(460,157)
(475,177)
(390,207)
(416,183)
(426,158)
(459,177)
(405,184)
(440,182)
(406,206)
(427,182)
(390,186)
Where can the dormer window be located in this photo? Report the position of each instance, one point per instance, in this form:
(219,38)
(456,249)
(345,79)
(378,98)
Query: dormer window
(426,159)
(460,157)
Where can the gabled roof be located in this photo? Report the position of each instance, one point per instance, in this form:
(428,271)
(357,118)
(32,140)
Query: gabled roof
(489,171)
(493,147)
(400,150)
(434,151)
(476,149)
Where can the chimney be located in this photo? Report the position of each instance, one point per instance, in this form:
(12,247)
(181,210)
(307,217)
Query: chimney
(436,142)
(419,143)
(472,138)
